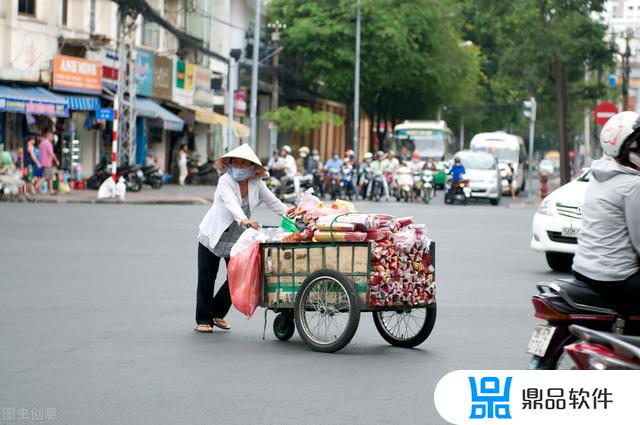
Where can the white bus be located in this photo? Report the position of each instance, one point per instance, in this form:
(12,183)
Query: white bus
(508,149)
(432,139)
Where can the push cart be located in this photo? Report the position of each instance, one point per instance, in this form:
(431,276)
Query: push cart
(321,289)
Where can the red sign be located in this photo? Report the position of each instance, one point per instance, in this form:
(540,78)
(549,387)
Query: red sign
(603,112)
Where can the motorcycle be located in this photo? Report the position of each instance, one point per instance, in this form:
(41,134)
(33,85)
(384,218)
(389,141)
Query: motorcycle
(404,183)
(133,175)
(364,177)
(152,176)
(423,186)
(347,186)
(377,186)
(457,191)
(333,181)
(275,185)
(318,183)
(601,351)
(567,302)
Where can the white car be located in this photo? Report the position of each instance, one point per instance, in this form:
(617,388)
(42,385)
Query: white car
(558,221)
(481,169)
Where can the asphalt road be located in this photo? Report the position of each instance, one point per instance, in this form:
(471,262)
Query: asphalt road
(97,320)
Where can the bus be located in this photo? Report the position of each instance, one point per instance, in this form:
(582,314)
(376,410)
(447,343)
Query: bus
(432,139)
(508,149)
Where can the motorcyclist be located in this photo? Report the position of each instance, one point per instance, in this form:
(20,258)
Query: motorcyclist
(333,168)
(457,171)
(608,251)
(304,174)
(287,164)
(416,169)
(365,169)
(378,167)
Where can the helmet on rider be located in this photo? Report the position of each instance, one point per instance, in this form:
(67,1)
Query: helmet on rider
(303,152)
(286,148)
(380,154)
(415,156)
(619,129)
(349,152)
(368,156)
(457,161)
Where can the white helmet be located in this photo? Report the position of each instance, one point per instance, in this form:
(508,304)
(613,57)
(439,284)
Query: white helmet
(286,148)
(368,155)
(616,130)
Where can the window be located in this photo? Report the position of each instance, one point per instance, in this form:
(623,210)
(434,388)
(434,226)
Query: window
(27,7)
(65,11)
(150,34)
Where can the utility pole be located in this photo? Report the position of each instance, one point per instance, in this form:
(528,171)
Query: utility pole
(277,26)
(254,77)
(462,131)
(356,95)
(587,125)
(232,82)
(126,92)
(530,112)
(626,69)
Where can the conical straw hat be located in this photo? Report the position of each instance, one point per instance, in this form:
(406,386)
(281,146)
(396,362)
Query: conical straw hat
(243,151)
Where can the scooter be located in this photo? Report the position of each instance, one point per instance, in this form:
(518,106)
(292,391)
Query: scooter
(567,302)
(152,176)
(333,181)
(133,175)
(457,191)
(423,186)
(347,187)
(275,185)
(601,351)
(404,183)
(377,186)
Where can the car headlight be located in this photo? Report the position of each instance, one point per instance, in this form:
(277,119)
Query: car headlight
(546,207)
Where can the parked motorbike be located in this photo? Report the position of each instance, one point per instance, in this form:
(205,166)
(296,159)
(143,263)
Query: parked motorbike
(598,350)
(567,302)
(205,174)
(423,186)
(404,183)
(457,191)
(152,176)
(133,175)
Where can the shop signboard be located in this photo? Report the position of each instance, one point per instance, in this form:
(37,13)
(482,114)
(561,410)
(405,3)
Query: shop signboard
(240,103)
(77,75)
(107,114)
(184,74)
(110,68)
(162,78)
(33,107)
(144,72)
(203,93)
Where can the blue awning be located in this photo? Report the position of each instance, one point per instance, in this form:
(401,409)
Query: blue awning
(32,100)
(149,109)
(83,103)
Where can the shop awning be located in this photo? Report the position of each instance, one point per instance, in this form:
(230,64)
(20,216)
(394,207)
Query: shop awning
(32,100)
(83,103)
(207,116)
(149,109)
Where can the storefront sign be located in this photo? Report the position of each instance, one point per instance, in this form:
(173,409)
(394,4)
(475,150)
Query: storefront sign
(240,103)
(144,72)
(110,68)
(184,84)
(77,75)
(33,107)
(106,114)
(162,77)
(203,93)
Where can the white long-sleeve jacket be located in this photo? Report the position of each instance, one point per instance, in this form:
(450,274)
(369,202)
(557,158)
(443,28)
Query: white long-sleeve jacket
(227,206)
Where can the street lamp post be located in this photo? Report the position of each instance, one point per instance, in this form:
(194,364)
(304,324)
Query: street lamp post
(254,77)
(277,26)
(356,95)
(234,55)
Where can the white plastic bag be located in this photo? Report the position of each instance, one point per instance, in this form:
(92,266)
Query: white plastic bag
(107,189)
(246,239)
(121,189)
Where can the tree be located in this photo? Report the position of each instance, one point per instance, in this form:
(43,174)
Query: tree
(301,119)
(411,59)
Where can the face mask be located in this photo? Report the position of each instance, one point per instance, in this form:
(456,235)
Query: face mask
(303,155)
(316,157)
(240,174)
(336,157)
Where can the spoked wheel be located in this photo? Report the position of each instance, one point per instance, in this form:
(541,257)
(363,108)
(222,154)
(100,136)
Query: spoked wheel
(326,311)
(407,327)
(283,326)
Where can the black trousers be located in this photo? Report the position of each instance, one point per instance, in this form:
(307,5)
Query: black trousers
(208,306)
(624,294)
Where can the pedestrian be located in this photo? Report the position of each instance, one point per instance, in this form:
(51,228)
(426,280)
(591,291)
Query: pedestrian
(238,193)
(48,158)
(510,173)
(31,163)
(182,164)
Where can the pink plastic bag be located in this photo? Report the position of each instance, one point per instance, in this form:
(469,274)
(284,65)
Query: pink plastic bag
(244,279)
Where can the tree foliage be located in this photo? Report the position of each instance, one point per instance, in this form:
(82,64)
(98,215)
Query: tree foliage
(411,59)
(301,119)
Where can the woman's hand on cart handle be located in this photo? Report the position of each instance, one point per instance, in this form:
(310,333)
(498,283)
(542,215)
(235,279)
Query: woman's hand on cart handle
(251,223)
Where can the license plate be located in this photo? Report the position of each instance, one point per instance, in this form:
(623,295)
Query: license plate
(540,340)
(467,191)
(140,173)
(569,232)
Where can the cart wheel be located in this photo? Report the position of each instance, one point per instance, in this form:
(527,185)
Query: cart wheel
(408,327)
(327,312)
(283,326)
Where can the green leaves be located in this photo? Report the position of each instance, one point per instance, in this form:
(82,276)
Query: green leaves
(301,119)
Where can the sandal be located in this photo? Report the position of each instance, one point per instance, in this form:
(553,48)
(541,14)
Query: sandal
(203,328)
(221,323)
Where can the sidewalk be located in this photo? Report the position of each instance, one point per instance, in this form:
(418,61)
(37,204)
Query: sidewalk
(168,194)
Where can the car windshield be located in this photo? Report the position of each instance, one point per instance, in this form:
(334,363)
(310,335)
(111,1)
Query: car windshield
(478,162)
(586,176)
(429,143)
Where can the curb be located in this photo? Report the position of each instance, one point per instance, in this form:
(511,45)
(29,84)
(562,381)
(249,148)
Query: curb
(156,201)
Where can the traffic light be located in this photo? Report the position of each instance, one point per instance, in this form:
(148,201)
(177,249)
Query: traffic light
(530,107)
